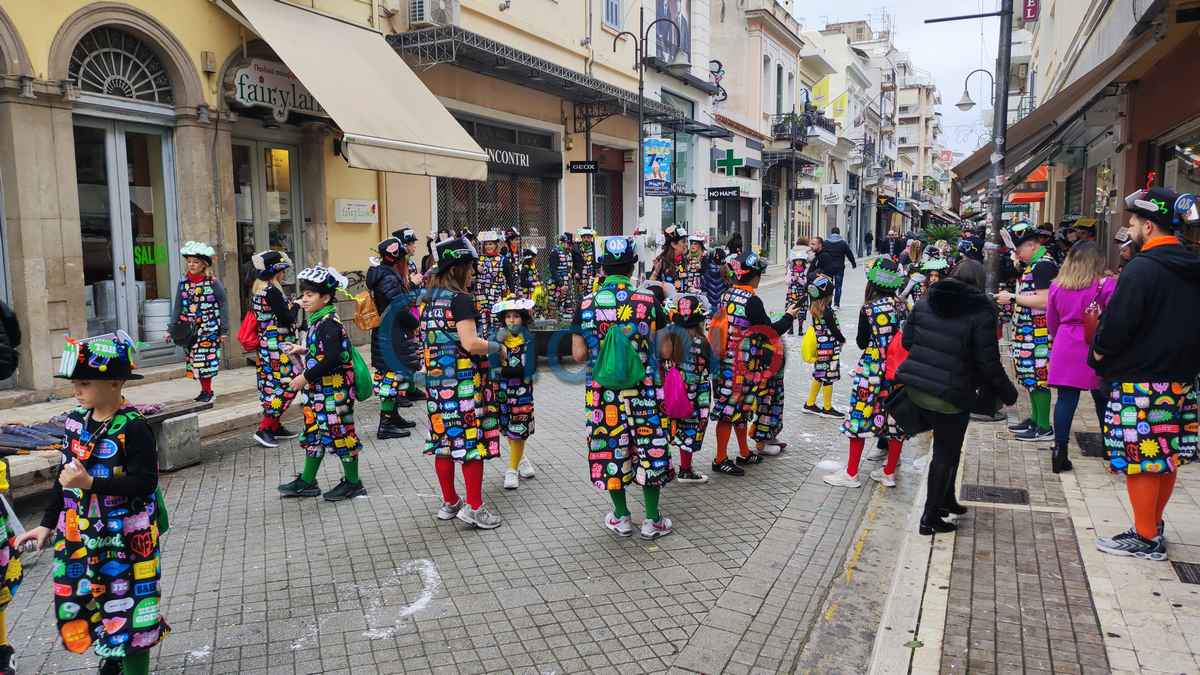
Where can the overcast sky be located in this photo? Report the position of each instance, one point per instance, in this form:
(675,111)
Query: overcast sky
(948,51)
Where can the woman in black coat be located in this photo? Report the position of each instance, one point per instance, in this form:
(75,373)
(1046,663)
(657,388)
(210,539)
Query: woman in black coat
(953,358)
(389,281)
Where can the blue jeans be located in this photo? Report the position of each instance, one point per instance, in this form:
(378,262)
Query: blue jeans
(837,291)
(1064,410)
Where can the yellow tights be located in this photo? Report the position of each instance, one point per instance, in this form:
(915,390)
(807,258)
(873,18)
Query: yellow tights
(3,628)
(516,450)
(826,391)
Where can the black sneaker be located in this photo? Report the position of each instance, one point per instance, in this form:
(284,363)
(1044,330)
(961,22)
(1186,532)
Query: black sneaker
(206,397)
(754,458)
(832,413)
(729,468)
(1034,434)
(8,660)
(111,667)
(389,429)
(200,398)
(1021,426)
(266,439)
(283,433)
(402,423)
(812,409)
(299,488)
(1132,544)
(403,402)
(345,490)
(689,476)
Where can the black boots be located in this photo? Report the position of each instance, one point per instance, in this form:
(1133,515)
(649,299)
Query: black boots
(392,425)
(1058,460)
(929,526)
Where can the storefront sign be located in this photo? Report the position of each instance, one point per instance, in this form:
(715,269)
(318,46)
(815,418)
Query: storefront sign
(1010,207)
(355,211)
(656,171)
(1029,10)
(729,163)
(512,158)
(833,194)
(724,193)
(149,255)
(804,194)
(269,84)
(749,187)
(589,166)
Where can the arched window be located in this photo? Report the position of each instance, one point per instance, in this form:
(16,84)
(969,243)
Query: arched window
(113,62)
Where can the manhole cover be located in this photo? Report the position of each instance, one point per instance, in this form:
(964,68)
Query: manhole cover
(1189,573)
(1091,444)
(994,494)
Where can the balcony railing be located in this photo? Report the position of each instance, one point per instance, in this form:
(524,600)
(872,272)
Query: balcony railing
(788,126)
(824,123)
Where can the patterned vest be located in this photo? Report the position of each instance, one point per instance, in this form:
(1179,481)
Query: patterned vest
(200,304)
(270,332)
(1028,316)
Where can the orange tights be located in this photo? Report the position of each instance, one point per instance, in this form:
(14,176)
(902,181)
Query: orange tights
(1148,494)
(723,441)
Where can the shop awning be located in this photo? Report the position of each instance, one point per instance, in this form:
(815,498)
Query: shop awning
(390,120)
(1026,197)
(1032,136)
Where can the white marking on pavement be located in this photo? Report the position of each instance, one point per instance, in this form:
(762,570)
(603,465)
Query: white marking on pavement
(377,610)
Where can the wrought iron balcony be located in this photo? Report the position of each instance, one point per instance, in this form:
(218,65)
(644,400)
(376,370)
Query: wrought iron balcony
(788,126)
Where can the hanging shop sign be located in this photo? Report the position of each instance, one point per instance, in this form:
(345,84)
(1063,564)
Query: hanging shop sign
(656,171)
(820,90)
(1010,207)
(589,166)
(1029,10)
(724,193)
(513,158)
(833,194)
(270,84)
(355,211)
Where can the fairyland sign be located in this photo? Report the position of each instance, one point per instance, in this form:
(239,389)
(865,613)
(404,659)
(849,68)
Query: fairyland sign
(269,84)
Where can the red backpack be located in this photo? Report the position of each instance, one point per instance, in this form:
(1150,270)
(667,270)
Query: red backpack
(248,333)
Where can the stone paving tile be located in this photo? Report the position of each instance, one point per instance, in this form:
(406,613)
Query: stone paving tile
(254,583)
(1019,598)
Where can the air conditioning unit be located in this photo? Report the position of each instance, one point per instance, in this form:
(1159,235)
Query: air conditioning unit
(425,13)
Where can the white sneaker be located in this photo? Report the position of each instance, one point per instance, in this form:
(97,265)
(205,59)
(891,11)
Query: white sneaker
(511,482)
(842,479)
(877,454)
(888,479)
(480,517)
(526,467)
(768,449)
(622,526)
(653,529)
(449,510)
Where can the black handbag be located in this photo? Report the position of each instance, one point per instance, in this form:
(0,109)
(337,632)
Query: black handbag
(906,413)
(183,333)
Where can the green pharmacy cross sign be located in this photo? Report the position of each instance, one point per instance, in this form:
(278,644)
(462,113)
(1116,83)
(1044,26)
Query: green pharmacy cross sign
(730,162)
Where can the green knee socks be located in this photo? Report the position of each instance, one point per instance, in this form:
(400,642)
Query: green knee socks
(350,469)
(620,508)
(1039,401)
(138,664)
(651,495)
(387,405)
(311,464)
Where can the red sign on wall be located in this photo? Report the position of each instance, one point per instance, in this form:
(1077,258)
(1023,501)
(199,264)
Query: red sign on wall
(1029,10)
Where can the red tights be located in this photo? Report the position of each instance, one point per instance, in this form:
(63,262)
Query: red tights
(472,477)
(1148,494)
(206,384)
(856,450)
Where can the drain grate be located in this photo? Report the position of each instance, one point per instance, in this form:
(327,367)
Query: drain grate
(1189,573)
(1091,444)
(994,494)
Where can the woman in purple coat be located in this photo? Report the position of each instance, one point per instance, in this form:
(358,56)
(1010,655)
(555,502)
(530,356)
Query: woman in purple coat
(1080,283)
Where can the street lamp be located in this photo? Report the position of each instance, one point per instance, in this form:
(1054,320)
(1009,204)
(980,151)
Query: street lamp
(679,65)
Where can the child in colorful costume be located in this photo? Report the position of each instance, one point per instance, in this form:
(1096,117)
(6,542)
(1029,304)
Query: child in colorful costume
(328,386)
(796,279)
(492,279)
(826,369)
(751,353)
(276,315)
(565,266)
(107,566)
(879,323)
(514,388)
(1031,334)
(200,300)
(688,312)
(389,280)
(462,427)
(626,440)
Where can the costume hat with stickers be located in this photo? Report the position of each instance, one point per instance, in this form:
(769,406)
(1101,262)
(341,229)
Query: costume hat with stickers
(671,233)
(566,237)
(747,265)
(1018,233)
(821,286)
(489,235)
(198,249)
(699,238)
(522,306)
(934,265)
(454,252)
(108,357)
(530,251)
(687,310)
(511,233)
(886,273)
(269,263)
(326,280)
(406,234)
(391,250)
(618,251)
(586,232)
(1169,209)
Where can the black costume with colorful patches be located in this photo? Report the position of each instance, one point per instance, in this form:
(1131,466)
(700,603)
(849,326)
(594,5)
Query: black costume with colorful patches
(328,397)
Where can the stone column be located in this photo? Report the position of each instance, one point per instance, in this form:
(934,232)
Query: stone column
(312,186)
(41,212)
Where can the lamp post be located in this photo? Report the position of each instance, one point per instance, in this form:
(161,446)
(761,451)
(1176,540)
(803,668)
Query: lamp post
(679,65)
(995,189)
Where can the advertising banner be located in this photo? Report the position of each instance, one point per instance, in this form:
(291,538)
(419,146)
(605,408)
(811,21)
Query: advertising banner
(657,170)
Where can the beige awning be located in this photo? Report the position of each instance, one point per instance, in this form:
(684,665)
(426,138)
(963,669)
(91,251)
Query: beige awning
(391,121)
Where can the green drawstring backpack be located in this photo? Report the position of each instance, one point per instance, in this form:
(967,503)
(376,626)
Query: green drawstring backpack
(617,363)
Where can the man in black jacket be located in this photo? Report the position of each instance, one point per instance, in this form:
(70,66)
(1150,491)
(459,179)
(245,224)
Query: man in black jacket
(389,281)
(1147,352)
(838,251)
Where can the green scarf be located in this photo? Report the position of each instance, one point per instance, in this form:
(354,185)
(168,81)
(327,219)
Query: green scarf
(616,279)
(321,313)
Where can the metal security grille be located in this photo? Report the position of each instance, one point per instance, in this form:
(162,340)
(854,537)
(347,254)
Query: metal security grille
(993,494)
(504,200)
(607,203)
